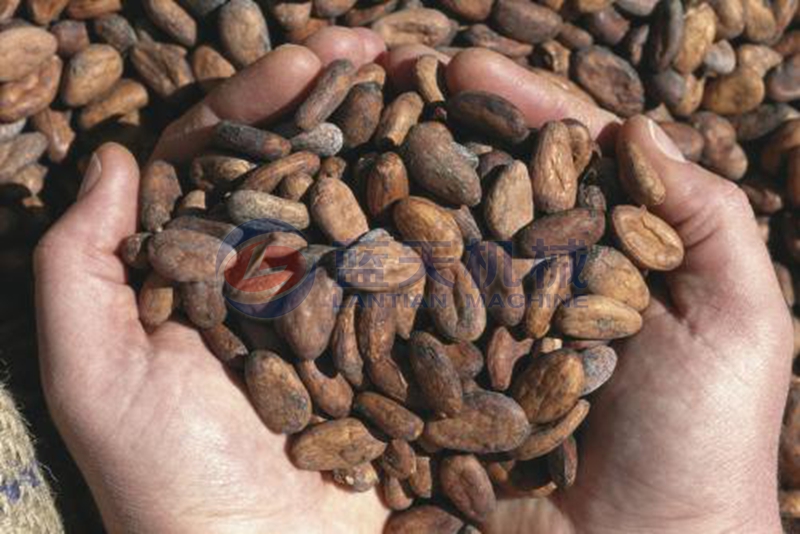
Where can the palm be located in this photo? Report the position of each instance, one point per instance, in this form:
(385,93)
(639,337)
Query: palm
(190,417)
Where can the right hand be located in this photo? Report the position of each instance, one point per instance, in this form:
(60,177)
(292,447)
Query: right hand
(684,437)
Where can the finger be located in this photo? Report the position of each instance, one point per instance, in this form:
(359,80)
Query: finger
(539,98)
(726,269)
(262,93)
(265,90)
(399,64)
(374,46)
(82,299)
(335,42)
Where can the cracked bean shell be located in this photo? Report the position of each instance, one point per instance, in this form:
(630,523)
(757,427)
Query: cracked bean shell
(647,240)
(552,169)
(338,444)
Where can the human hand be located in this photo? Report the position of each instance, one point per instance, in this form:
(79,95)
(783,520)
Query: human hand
(649,448)
(684,437)
(166,438)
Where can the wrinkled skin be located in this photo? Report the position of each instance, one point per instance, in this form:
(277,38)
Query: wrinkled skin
(683,439)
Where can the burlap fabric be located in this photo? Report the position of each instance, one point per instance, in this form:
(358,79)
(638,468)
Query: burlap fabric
(26,504)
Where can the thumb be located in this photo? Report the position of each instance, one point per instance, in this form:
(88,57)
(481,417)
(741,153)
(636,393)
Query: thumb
(726,264)
(105,211)
(82,302)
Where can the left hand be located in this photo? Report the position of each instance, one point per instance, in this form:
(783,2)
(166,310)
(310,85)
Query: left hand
(166,437)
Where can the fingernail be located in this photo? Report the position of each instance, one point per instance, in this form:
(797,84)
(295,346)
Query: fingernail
(92,176)
(663,142)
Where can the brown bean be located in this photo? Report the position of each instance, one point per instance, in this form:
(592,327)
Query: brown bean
(169,16)
(609,79)
(389,416)
(546,438)
(436,374)
(360,478)
(647,240)
(331,394)
(502,354)
(90,73)
(481,35)
(156,300)
(638,176)
(549,388)
(331,89)
(561,232)
(55,125)
(525,21)
(431,230)
(597,317)
(609,273)
(125,97)
(666,34)
(163,67)
(203,303)
(598,366)
(359,114)
(424,519)
(210,68)
(32,93)
(336,211)
(308,326)
(247,205)
(243,32)
(225,345)
(552,169)
(489,422)
(338,444)
(563,463)
(434,164)
(158,192)
(457,309)
(277,393)
(89,9)
(417,25)
(466,484)
(184,255)
(23,51)
(252,142)
(490,114)
(267,177)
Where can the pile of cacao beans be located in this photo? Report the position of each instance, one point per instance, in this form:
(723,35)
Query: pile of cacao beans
(403,356)
(722,77)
